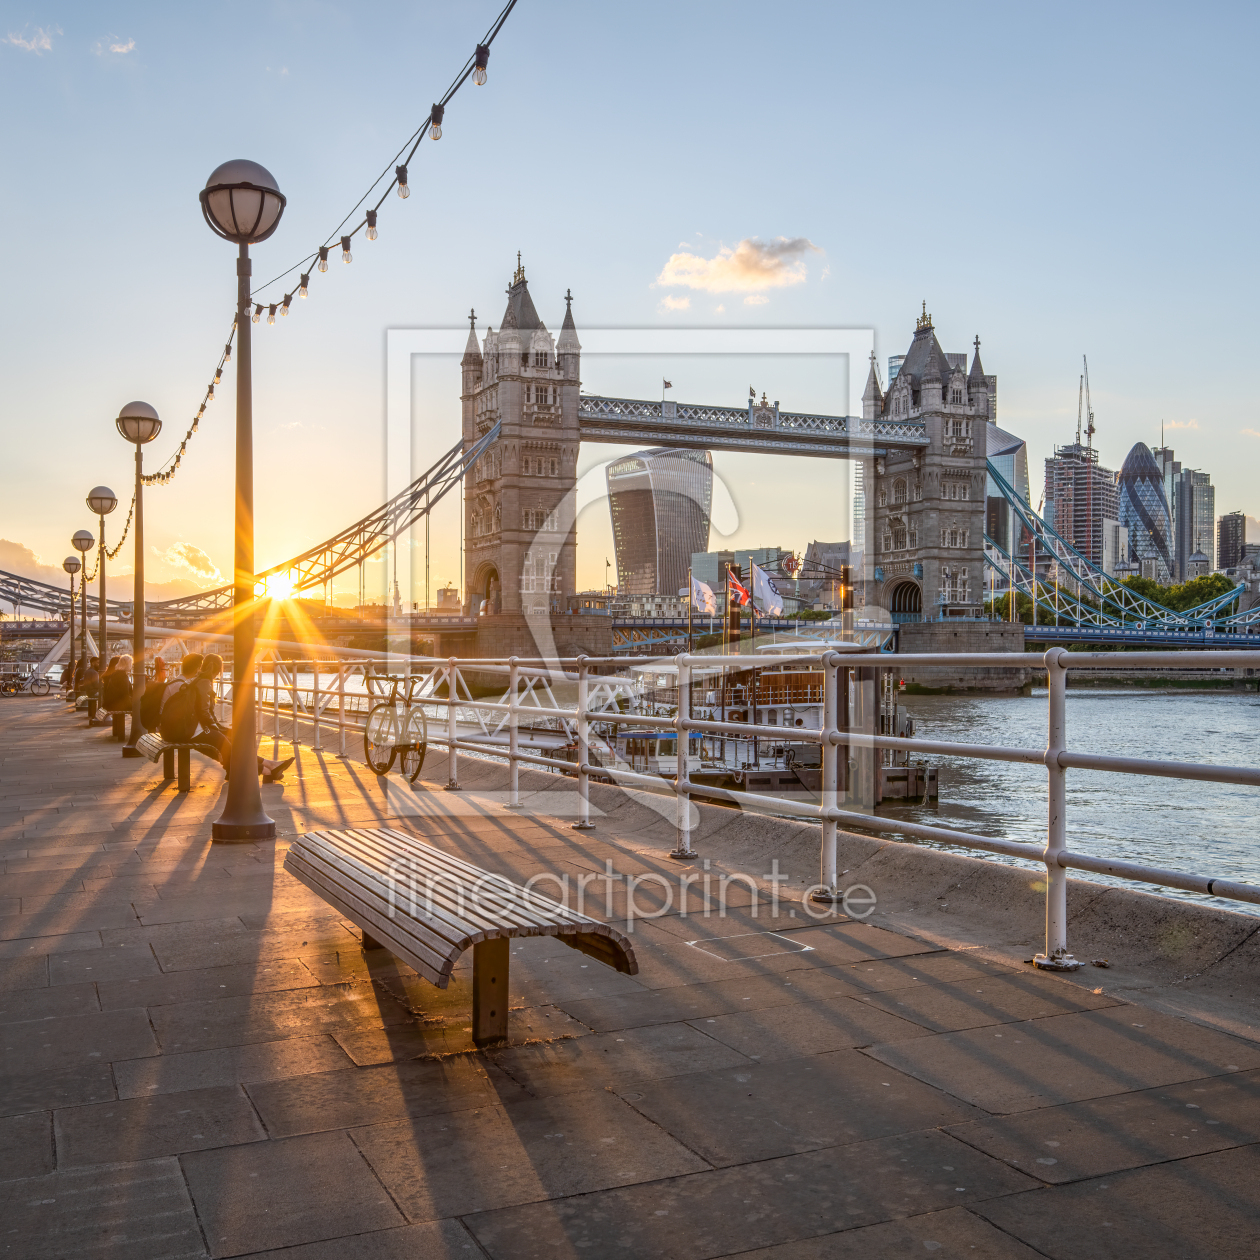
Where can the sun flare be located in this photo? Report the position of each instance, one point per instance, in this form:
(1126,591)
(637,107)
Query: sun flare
(279,586)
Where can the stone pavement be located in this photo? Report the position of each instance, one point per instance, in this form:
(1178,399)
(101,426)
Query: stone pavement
(199,1058)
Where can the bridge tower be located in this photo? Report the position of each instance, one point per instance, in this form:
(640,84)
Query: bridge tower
(520,544)
(925,509)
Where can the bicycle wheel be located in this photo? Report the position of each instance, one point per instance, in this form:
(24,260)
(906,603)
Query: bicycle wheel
(40,687)
(415,744)
(380,737)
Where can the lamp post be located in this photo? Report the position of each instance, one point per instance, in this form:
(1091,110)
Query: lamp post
(242,203)
(83,542)
(138,423)
(72,564)
(102,501)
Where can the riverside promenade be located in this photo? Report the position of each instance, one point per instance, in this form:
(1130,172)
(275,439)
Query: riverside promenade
(199,1059)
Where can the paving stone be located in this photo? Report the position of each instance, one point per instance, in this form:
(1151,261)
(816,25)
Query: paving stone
(881,975)
(430,1240)
(34,1090)
(114,962)
(734,1210)
(26,1148)
(83,900)
(807,1028)
(68,1041)
(370,1046)
(737,1115)
(614,1059)
(340,1100)
(212,927)
(473,1161)
(236,1021)
(138,1211)
(26,1004)
(24,973)
(1206,1207)
(247,947)
(1086,1139)
(263,1061)
(165,1124)
(60,921)
(45,884)
(681,1002)
(273,1194)
(1067,1058)
(32,947)
(949,1235)
(205,985)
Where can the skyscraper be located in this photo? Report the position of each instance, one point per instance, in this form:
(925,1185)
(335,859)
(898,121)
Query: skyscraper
(1230,537)
(660,502)
(1195,514)
(1143,511)
(1080,496)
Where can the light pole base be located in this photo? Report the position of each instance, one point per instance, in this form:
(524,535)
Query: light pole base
(827,896)
(243,833)
(682,855)
(583,826)
(452,786)
(517,806)
(1056,962)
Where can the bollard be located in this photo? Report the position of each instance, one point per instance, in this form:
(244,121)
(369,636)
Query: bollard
(584,753)
(682,850)
(1056,956)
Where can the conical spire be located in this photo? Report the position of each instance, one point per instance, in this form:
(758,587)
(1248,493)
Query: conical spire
(568,342)
(472,351)
(977,370)
(873,398)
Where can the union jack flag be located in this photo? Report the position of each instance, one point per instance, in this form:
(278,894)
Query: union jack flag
(737,590)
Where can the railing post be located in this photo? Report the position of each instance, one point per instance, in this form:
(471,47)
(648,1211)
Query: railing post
(315,743)
(514,766)
(275,705)
(1056,956)
(293,699)
(452,688)
(829,891)
(584,752)
(257,693)
(341,707)
(682,850)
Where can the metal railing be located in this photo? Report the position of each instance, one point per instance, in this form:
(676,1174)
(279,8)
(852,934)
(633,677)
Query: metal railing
(333,696)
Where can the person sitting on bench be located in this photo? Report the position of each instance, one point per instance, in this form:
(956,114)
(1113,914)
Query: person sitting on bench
(212,738)
(90,686)
(116,689)
(151,700)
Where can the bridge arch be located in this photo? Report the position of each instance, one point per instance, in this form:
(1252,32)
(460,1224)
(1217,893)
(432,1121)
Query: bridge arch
(907,597)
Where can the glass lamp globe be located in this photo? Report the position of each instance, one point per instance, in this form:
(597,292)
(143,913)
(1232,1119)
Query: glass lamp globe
(83,540)
(138,422)
(102,500)
(242,202)
(71,564)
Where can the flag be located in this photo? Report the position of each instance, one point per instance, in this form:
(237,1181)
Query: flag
(737,590)
(666,384)
(763,589)
(702,597)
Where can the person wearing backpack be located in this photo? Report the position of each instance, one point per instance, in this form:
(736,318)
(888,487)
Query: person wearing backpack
(212,738)
(90,686)
(151,700)
(116,687)
(177,721)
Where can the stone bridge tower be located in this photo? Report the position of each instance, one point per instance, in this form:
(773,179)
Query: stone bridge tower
(520,544)
(925,509)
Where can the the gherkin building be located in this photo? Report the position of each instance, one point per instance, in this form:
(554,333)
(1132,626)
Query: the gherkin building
(1144,511)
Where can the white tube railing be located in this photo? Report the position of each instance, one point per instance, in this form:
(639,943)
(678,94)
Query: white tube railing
(1056,757)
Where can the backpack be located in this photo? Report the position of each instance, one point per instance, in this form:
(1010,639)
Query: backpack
(178,722)
(151,705)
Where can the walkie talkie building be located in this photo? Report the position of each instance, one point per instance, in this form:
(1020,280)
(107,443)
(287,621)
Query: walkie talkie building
(660,502)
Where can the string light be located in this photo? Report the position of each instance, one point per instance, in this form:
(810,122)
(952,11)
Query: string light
(482,56)
(257,313)
(227,351)
(371,225)
(210,393)
(323,258)
(218,374)
(284,309)
(346,255)
(435,116)
(306,279)
(400,173)
(271,313)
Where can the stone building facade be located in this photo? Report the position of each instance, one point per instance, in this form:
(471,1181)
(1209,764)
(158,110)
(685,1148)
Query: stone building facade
(520,543)
(925,509)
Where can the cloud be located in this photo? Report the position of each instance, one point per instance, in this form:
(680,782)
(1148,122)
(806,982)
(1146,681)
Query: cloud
(1181,424)
(20,559)
(750,266)
(756,299)
(671,303)
(113,44)
(39,43)
(182,555)
(1250,432)
(720,309)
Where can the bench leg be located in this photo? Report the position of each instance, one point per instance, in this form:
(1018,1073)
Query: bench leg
(370,942)
(185,774)
(119,730)
(168,763)
(490,990)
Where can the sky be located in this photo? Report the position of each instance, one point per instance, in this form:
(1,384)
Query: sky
(1060,181)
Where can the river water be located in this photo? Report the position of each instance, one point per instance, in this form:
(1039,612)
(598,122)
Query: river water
(1202,828)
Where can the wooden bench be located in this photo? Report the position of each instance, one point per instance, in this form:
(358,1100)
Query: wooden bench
(427,907)
(154,746)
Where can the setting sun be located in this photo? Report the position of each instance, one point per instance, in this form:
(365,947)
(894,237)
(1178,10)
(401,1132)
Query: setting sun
(279,586)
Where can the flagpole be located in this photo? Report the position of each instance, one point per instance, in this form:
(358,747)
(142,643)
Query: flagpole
(691,599)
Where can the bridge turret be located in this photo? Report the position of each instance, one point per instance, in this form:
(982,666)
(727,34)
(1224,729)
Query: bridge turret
(569,348)
(873,399)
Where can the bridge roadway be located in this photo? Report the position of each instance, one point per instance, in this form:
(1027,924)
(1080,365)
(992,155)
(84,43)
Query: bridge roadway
(227,1072)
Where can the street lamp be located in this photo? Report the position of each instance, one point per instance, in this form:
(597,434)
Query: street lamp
(138,423)
(243,204)
(83,542)
(102,501)
(72,564)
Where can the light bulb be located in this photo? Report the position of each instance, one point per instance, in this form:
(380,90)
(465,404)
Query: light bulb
(371,222)
(210,393)
(288,297)
(271,313)
(403,190)
(218,375)
(323,258)
(257,313)
(346,256)
(482,56)
(479,76)
(436,115)
(227,353)
(306,279)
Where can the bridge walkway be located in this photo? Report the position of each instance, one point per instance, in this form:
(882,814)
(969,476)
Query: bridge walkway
(199,1059)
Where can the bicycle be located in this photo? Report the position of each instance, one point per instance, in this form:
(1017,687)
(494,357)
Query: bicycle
(12,685)
(396,729)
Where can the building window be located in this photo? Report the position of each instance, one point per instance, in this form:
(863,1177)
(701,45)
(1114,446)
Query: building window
(899,539)
(899,491)
(552,468)
(914,538)
(918,491)
(883,497)
(886,543)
